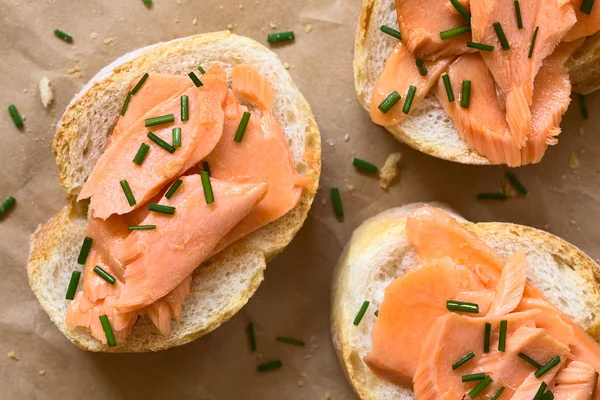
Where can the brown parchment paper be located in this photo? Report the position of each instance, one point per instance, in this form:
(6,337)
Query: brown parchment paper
(294,298)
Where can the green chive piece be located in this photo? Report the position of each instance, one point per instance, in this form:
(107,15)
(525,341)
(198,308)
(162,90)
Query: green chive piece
(421,66)
(163,119)
(138,85)
(554,361)
(289,340)
(63,35)
(16,117)
(239,134)
(125,104)
(498,393)
(540,391)
(463,360)
(364,166)
(104,275)
(128,193)
(461,306)
(73,283)
(361,313)
(548,396)
(389,102)
(85,249)
(450,33)
(206,167)
(502,337)
(161,142)
(376,313)
(492,196)
(530,360)
(586,6)
(501,36)
(176,137)
(173,188)
(207,186)
(148,3)
(584,108)
(141,227)
(336,199)
(518,14)
(269,366)
(480,46)
(184,108)
(533,40)
(161,209)
(448,86)
(486,338)
(252,336)
(461,10)
(6,205)
(110,337)
(409,99)
(480,387)
(195,79)
(390,31)
(466,94)
(473,377)
(141,154)
(202,71)
(281,37)
(512,178)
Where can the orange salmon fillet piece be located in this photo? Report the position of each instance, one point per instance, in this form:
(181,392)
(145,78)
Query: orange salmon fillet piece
(577,381)
(511,285)
(586,25)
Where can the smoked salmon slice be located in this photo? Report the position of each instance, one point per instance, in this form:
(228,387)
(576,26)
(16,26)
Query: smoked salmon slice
(511,285)
(577,381)
(162,311)
(586,25)
(549,319)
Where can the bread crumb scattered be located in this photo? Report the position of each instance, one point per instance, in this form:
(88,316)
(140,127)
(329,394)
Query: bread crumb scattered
(308,28)
(13,356)
(390,171)
(42,372)
(509,189)
(273,25)
(221,7)
(346,137)
(230,26)
(195,21)
(300,383)
(108,41)
(93,35)
(286,65)
(328,395)
(241,6)
(177,20)
(46,94)
(74,69)
(350,187)
(331,142)
(574,161)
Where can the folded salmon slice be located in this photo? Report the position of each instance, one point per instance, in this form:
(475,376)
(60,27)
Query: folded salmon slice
(511,285)
(586,25)
(399,73)
(549,319)
(199,137)
(577,381)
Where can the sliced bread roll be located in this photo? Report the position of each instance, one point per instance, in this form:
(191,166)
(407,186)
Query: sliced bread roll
(428,128)
(378,253)
(222,285)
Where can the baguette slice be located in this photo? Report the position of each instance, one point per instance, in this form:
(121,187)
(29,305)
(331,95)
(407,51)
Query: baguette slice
(428,128)
(227,281)
(378,252)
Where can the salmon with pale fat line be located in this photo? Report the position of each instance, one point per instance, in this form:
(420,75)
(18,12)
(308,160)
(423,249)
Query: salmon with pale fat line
(575,382)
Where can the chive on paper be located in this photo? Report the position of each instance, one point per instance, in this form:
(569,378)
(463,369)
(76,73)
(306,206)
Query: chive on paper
(281,37)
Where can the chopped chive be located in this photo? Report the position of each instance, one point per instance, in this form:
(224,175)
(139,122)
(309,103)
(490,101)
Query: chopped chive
(288,340)
(141,154)
(450,33)
(128,193)
(176,137)
(138,85)
(252,336)
(586,6)
(148,3)
(206,167)
(463,360)
(518,14)
(501,36)
(16,117)
(533,40)
(554,361)
(269,366)
(389,102)
(548,396)
(239,134)
(173,188)
(486,338)
(473,377)
(141,227)
(530,360)
(73,283)
(85,249)
(461,306)
(492,196)
(480,46)
(461,10)
(376,313)
(512,178)
(421,66)
(110,337)
(364,166)
(63,35)
(104,275)
(361,313)
(480,387)
(465,97)
(195,79)
(125,104)
(584,108)
(161,142)
(502,337)
(498,393)
(280,37)
(6,205)
(207,186)
(448,86)
(390,31)
(336,199)
(540,391)
(159,208)
(163,119)
(202,71)
(409,99)
(184,108)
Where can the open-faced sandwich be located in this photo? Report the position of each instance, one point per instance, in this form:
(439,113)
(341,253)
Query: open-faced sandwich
(428,306)
(479,81)
(187,165)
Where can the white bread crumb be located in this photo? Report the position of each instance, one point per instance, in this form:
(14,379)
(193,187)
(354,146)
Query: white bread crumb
(93,35)
(308,28)
(108,41)
(42,372)
(46,94)
(509,189)
(300,383)
(574,161)
(13,356)
(390,171)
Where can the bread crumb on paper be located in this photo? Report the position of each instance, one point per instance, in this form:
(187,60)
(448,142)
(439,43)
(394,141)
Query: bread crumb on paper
(390,171)
(93,35)
(108,41)
(272,25)
(46,94)
(509,189)
(308,28)
(300,383)
(328,395)
(286,65)
(230,26)
(42,372)
(346,137)
(13,356)
(574,161)
(195,21)
(74,70)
